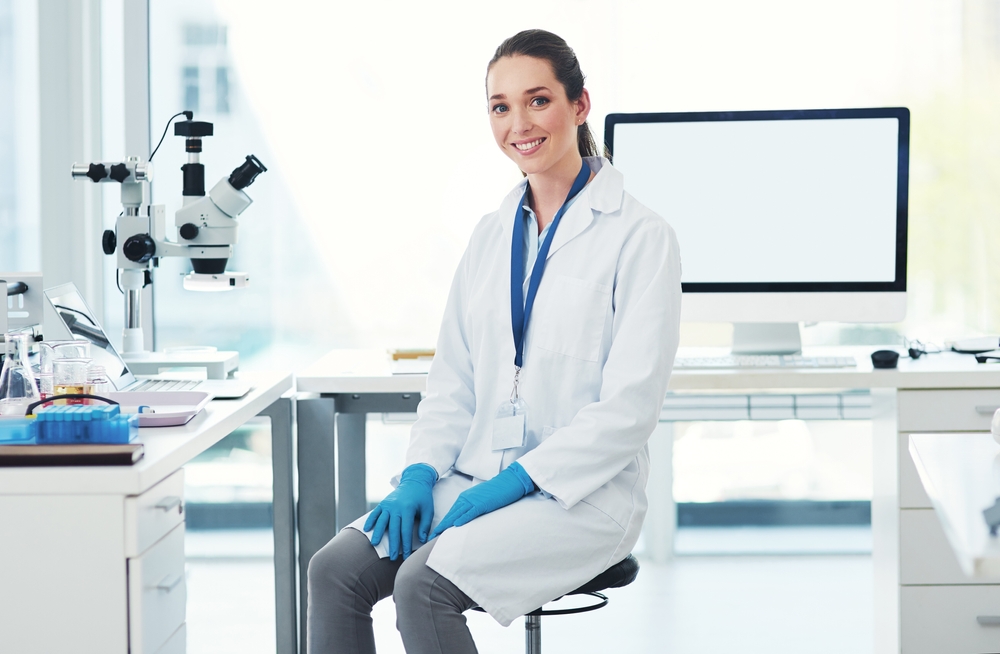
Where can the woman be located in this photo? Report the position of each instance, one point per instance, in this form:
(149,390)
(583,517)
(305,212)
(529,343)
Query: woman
(526,468)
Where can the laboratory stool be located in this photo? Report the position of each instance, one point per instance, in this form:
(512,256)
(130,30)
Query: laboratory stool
(619,575)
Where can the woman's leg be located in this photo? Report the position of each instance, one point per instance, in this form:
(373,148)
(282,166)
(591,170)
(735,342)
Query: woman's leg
(429,609)
(346,579)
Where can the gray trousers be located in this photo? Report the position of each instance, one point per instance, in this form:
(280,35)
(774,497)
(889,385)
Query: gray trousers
(347,578)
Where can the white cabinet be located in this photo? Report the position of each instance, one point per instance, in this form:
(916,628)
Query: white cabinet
(148,517)
(950,619)
(940,608)
(156,593)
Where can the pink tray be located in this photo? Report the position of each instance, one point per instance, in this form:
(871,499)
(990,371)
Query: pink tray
(169,408)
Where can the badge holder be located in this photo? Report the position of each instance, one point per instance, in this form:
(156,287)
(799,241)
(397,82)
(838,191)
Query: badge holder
(508,426)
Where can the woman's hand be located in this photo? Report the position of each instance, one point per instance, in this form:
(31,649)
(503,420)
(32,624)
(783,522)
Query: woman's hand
(414,496)
(506,488)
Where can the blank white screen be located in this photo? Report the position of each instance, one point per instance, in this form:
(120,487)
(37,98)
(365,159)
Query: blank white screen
(770,200)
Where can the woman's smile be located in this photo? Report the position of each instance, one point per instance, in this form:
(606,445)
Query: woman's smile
(528,147)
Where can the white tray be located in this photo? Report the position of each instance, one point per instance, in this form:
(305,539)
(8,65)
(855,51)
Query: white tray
(169,408)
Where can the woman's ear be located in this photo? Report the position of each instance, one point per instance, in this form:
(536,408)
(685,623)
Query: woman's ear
(582,107)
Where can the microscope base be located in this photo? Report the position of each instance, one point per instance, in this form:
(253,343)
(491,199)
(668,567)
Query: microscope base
(217,364)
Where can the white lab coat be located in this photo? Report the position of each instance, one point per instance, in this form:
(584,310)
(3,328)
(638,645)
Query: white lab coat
(598,353)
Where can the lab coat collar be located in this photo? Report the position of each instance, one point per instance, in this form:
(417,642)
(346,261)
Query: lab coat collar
(603,194)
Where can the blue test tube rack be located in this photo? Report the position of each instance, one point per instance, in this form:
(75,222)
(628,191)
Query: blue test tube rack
(84,424)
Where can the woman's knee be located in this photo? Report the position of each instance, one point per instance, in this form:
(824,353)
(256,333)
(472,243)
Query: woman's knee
(340,562)
(413,583)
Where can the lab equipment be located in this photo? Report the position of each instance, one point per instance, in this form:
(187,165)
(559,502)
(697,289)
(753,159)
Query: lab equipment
(69,377)
(780,361)
(49,351)
(509,486)
(85,424)
(74,314)
(206,224)
(24,304)
(17,382)
(783,216)
(396,513)
(16,430)
(97,381)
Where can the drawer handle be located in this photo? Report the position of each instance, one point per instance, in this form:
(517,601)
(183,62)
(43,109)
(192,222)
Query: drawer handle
(988,620)
(170,582)
(168,503)
(986,410)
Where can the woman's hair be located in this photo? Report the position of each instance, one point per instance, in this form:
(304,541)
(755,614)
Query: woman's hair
(546,45)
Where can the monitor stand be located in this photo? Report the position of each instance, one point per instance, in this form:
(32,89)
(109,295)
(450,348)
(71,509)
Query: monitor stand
(766,338)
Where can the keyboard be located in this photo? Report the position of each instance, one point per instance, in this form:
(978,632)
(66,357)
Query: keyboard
(755,361)
(159,385)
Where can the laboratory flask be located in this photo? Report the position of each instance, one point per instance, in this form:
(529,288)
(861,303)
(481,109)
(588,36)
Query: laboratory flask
(17,383)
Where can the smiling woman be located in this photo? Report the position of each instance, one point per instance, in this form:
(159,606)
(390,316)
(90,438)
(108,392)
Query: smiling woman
(523,481)
(538,110)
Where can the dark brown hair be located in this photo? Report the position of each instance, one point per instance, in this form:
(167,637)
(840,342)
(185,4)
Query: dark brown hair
(553,49)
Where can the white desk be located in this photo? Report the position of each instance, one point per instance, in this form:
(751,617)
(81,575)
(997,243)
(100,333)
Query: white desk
(92,558)
(938,393)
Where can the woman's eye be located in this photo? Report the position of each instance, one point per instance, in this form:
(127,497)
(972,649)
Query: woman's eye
(499,108)
(538,102)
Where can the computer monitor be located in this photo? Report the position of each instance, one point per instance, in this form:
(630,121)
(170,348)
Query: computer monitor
(782,216)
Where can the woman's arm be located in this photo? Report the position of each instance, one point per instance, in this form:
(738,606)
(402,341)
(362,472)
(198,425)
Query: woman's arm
(444,416)
(605,436)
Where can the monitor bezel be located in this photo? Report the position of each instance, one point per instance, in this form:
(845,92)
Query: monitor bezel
(902,114)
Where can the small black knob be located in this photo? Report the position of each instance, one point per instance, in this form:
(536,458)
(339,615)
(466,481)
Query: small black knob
(109,241)
(119,172)
(139,248)
(97,172)
(189,231)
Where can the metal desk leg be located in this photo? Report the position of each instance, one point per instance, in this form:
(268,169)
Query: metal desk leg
(317,514)
(352,501)
(280,413)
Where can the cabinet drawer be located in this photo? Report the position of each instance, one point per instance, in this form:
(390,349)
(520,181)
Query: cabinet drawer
(176,644)
(950,619)
(157,593)
(151,515)
(925,556)
(967,410)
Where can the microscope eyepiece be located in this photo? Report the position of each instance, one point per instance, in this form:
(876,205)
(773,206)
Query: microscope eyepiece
(244,175)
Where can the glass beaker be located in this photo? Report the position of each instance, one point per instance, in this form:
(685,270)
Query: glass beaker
(52,350)
(17,383)
(69,377)
(97,383)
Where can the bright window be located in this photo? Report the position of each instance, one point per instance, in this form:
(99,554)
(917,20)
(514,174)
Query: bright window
(20,229)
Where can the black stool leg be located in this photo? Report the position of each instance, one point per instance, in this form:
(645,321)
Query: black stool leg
(533,634)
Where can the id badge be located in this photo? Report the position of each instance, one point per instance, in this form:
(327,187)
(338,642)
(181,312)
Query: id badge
(508,425)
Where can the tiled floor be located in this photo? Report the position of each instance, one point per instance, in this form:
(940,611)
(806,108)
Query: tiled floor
(698,604)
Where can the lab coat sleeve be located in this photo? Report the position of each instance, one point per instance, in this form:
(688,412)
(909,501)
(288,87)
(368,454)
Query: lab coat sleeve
(605,436)
(444,416)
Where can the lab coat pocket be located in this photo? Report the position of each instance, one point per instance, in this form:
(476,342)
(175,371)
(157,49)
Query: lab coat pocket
(574,316)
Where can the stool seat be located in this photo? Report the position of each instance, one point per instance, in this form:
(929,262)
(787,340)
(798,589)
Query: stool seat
(621,574)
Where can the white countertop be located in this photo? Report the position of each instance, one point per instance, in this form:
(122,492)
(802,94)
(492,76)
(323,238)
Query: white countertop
(368,371)
(961,474)
(166,449)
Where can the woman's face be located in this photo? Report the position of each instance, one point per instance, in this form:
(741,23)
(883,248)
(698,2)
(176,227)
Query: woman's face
(533,121)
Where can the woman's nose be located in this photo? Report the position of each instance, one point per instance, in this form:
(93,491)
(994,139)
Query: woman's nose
(522,122)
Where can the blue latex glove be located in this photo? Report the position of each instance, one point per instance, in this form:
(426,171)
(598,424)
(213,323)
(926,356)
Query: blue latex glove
(506,488)
(414,496)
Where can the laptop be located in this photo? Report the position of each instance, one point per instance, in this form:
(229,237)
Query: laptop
(80,322)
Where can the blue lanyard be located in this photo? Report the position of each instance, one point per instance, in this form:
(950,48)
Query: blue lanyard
(520,308)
